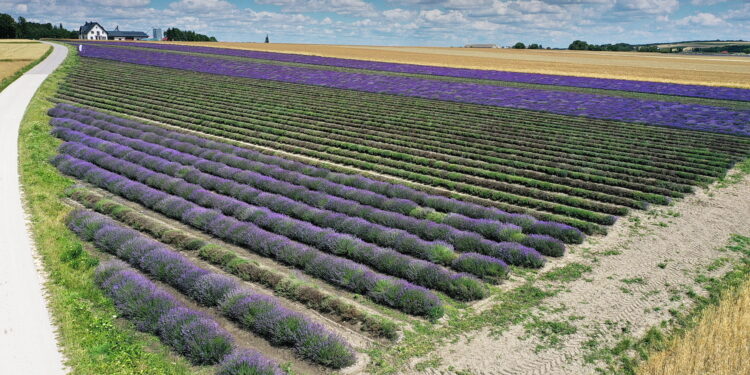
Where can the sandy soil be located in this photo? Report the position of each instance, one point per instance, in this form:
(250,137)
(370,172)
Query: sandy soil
(643,268)
(687,69)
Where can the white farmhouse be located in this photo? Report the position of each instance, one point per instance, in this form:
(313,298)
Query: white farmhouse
(92,31)
(95,31)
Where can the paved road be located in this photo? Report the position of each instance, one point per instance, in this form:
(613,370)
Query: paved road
(27,336)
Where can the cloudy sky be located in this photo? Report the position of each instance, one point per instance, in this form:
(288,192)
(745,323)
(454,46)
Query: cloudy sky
(411,22)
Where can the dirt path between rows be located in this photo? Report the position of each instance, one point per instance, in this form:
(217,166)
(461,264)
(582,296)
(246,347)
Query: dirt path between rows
(646,266)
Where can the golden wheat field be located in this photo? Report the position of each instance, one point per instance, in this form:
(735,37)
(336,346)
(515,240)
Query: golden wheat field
(686,69)
(718,345)
(14,55)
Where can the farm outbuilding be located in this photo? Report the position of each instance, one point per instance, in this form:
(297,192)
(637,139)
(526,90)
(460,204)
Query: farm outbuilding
(95,31)
(481,46)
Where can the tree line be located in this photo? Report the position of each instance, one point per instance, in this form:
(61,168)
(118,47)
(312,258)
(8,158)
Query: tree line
(22,29)
(176,34)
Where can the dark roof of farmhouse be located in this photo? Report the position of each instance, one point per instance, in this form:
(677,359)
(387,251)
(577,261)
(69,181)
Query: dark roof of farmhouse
(117,33)
(88,26)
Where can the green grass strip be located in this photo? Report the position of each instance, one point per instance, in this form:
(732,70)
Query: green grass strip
(92,339)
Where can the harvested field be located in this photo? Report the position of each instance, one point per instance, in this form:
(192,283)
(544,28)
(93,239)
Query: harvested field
(8,68)
(22,51)
(17,53)
(700,70)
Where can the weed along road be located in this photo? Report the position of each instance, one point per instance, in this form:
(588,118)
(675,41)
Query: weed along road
(27,337)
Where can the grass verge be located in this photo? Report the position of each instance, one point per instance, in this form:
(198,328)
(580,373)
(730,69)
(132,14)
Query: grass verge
(92,339)
(5,82)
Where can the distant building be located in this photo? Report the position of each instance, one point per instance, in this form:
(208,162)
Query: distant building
(92,31)
(116,34)
(95,31)
(481,46)
(158,34)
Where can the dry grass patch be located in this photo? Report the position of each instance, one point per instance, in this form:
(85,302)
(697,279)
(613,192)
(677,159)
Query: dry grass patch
(22,51)
(8,68)
(719,344)
(15,54)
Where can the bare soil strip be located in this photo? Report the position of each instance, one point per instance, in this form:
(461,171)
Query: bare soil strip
(646,266)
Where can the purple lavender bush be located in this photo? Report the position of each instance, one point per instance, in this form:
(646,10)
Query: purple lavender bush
(247,362)
(154,310)
(194,335)
(485,266)
(208,149)
(460,286)
(653,112)
(436,252)
(724,93)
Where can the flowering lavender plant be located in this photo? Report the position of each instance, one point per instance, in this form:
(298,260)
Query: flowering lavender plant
(712,92)
(194,335)
(671,114)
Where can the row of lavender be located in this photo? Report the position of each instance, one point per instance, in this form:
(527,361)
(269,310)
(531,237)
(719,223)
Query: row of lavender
(154,310)
(710,92)
(90,156)
(196,335)
(417,237)
(672,114)
(412,234)
(383,195)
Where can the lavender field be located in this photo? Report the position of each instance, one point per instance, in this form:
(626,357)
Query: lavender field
(261,217)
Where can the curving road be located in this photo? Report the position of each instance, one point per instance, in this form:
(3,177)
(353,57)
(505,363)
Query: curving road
(27,336)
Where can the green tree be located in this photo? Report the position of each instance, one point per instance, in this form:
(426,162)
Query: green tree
(579,45)
(267,41)
(8,27)
(176,34)
(535,46)
(519,45)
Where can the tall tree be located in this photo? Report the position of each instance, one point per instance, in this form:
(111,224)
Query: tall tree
(8,27)
(267,41)
(519,45)
(579,45)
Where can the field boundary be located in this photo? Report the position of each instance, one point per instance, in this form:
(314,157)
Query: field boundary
(92,338)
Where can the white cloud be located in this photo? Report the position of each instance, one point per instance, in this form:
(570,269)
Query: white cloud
(123,3)
(200,5)
(348,7)
(437,16)
(399,14)
(706,2)
(701,19)
(647,6)
(741,14)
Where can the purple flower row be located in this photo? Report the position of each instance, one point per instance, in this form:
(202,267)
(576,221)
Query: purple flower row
(341,272)
(377,230)
(427,274)
(189,332)
(263,315)
(711,92)
(671,114)
(376,193)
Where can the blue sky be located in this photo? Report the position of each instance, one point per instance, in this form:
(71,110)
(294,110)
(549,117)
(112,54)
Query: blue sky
(411,22)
